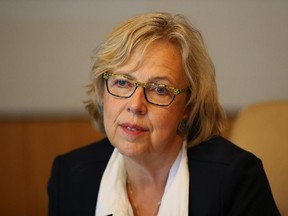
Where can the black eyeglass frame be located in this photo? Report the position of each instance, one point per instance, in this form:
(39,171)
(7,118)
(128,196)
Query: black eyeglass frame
(173,90)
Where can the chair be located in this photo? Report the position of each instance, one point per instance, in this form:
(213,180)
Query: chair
(262,129)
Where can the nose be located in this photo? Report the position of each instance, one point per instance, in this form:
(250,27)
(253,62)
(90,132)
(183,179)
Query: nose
(137,103)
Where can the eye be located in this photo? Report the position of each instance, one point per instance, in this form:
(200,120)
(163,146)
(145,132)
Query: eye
(162,90)
(159,89)
(122,83)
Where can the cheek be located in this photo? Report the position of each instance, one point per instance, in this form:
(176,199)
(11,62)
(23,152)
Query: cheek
(110,115)
(112,108)
(109,104)
(108,109)
(166,120)
(174,115)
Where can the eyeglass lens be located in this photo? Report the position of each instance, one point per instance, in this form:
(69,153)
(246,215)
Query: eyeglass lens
(121,86)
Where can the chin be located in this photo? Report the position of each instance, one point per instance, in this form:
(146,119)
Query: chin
(129,150)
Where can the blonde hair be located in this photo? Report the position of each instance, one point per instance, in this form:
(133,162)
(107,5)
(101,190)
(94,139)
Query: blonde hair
(206,116)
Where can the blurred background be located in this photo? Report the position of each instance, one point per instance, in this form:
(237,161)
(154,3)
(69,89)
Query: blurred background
(45,50)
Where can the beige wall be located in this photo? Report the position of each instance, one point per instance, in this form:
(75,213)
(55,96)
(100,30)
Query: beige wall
(45,49)
(27,151)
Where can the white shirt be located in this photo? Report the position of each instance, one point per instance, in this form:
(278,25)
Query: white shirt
(113,199)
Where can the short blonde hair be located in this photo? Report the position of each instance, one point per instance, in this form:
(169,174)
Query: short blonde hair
(206,116)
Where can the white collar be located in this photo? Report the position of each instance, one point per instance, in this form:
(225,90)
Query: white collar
(113,199)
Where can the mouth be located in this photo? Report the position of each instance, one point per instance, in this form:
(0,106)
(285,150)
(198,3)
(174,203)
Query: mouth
(133,128)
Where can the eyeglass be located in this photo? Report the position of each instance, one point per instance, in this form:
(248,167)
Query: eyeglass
(122,86)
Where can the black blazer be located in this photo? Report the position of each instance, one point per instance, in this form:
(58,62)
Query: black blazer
(224,180)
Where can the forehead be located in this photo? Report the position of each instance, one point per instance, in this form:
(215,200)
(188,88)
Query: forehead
(159,59)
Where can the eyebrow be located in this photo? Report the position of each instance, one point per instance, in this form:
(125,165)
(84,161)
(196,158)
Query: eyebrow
(161,78)
(155,79)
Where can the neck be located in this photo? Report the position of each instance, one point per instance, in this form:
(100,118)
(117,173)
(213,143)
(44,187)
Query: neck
(151,169)
(141,209)
(144,202)
(146,184)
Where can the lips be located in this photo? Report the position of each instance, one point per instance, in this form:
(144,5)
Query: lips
(132,128)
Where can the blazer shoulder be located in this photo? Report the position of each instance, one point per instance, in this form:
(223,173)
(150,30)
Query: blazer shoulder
(97,151)
(228,180)
(218,150)
(76,177)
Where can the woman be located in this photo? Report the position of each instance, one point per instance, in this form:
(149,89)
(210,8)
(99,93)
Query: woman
(153,94)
